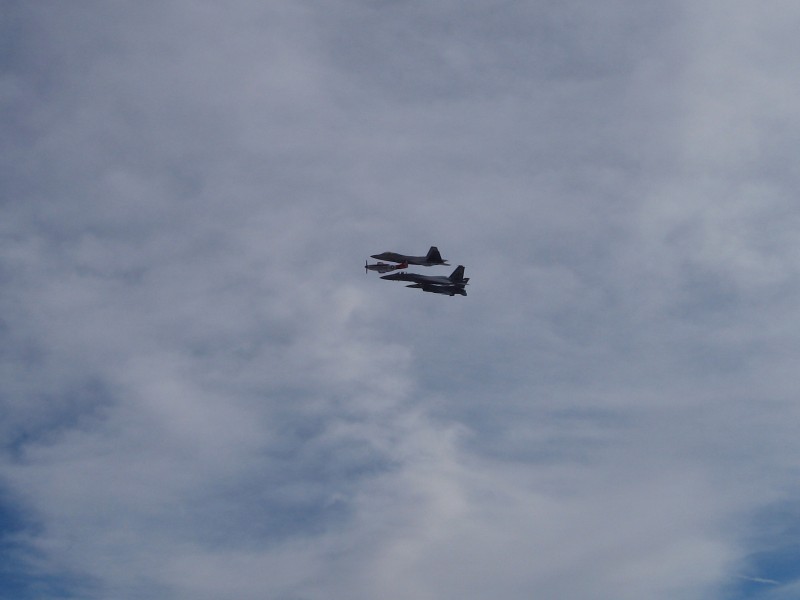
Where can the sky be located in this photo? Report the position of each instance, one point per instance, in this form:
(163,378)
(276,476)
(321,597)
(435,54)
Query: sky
(204,395)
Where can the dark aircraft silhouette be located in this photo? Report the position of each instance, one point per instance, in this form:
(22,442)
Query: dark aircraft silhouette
(450,290)
(432,258)
(455,278)
(382,267)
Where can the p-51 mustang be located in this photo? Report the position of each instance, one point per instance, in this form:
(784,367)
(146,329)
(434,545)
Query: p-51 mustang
(383,267)
(437,284)
(432,258)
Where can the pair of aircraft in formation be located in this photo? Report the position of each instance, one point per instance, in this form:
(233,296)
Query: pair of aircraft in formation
(436,284)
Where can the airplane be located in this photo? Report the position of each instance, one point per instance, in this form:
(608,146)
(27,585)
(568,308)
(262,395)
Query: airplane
(450,290)
(456,278)
(432,258)
(383,267)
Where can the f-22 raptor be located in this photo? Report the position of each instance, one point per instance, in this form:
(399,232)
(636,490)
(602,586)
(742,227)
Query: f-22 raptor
(432,258)
(437,284)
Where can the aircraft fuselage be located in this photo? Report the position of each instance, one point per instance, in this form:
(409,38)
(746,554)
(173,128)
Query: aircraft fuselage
(432,258)
(402,258)
(417,278)
(448,290)
(382,267)
(455,278)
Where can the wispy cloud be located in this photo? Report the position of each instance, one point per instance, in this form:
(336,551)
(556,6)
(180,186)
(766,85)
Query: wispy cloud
(760,580)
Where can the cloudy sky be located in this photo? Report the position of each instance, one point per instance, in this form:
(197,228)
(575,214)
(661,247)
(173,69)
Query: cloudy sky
(204,396)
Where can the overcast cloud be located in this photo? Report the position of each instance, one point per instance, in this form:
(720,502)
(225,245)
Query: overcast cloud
(203,396)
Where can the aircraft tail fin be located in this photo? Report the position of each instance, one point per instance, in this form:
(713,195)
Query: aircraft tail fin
(434,256)
(458,274)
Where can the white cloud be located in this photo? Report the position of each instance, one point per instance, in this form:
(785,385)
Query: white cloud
(204,394)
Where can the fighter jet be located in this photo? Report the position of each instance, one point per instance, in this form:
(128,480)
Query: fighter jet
(383,267)
(432,258)
(450,290)
(456,278)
